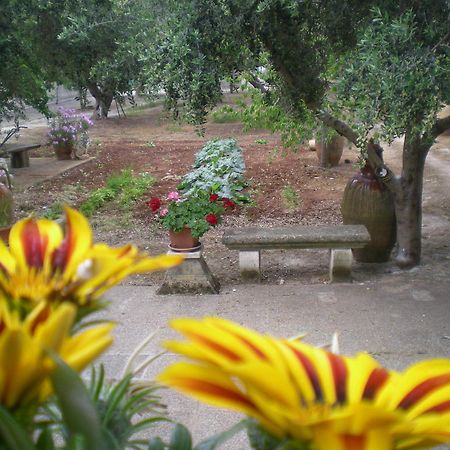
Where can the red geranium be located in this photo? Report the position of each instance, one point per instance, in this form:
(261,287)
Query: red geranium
(213,197)
(154,204)
(227,203)
(212,219)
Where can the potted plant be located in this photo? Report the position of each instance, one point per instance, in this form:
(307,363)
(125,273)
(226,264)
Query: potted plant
(68,131)
(188,218)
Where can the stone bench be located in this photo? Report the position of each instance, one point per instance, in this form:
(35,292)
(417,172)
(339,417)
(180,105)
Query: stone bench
(340,239)
(19,154)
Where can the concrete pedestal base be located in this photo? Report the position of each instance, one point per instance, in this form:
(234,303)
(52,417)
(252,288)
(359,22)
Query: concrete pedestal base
(191,277)
(341,265)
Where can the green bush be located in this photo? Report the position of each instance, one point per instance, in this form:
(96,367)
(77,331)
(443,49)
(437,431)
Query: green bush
(218,168)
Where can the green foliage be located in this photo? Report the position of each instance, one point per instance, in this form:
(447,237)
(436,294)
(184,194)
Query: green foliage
(290,197)
(21,72)
(124,188)
(260,439)
(218,168)
(261,141)
(264,113)
(226,114)
(393,80)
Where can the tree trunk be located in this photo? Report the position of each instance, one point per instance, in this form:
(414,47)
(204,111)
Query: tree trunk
(103,100)
(408,203)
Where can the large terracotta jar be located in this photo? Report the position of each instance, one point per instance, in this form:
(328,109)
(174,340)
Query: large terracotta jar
(330,153)
(63,150)
(183,241)
(367,201)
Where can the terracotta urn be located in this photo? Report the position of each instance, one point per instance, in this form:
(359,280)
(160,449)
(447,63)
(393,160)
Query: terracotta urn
(183,241)
(63,150)
(329,153)
(367,201)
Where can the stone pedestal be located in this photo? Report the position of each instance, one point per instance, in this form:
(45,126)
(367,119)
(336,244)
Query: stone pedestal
(192,276)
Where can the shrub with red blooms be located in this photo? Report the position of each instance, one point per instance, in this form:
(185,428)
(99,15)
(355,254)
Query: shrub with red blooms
(198,212)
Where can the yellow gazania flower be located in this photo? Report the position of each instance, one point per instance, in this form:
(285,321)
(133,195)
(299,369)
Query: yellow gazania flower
(24,362)
(309,394)
(44,264)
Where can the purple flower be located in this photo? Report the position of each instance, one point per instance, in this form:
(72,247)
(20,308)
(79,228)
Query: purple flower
(174,195)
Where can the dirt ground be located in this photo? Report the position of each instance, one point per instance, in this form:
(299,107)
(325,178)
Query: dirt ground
(149,141)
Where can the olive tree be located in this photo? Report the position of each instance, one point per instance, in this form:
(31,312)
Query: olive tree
(371,70)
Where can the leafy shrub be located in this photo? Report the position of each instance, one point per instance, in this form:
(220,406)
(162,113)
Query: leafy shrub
(218,168)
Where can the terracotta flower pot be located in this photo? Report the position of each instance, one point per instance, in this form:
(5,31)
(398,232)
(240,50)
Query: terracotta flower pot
(63,150)
(183,241)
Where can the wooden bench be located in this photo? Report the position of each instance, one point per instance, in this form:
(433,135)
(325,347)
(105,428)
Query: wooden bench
(340,239)
(19,154)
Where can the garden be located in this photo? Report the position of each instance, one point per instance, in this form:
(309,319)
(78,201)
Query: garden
(284,185)
(166,286)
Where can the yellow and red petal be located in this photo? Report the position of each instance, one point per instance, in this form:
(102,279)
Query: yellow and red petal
(412,387)
(262,346)
(77,241)
(80,350)
(32,243)
(210,385)
(218,344)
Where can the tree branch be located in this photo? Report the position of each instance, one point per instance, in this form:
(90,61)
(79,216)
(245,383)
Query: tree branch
(259,84)
(382,172)
(439,127)
(341,127)
(374,151)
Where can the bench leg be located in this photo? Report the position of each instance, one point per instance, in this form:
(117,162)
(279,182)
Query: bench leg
(20,159)
(249,264)
(341,266)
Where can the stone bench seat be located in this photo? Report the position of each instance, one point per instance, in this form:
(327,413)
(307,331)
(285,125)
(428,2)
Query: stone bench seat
(340,239)
(19,154)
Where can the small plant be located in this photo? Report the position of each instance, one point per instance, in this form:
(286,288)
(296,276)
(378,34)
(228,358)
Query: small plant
(69,128)
(226,114)
(150,144)
(261,141)
(290,197)
(198,212)
(54,211)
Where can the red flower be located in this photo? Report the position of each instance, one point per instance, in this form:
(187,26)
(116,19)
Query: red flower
(227,203)
(212,219)
(154,204)
(213,197)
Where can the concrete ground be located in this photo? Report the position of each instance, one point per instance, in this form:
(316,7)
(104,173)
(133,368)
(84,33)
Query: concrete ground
(399,321)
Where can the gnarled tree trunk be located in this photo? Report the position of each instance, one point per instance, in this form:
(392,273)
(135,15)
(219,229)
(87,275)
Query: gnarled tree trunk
(103,100)
(408,202)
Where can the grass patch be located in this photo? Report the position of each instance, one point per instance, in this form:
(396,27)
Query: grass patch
(261,141)
(290,198)
(124,188)
(226,114)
